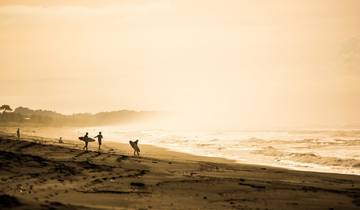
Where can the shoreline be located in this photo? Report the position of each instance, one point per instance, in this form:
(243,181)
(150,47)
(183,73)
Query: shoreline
(147,150)
(38,173)
(71,134)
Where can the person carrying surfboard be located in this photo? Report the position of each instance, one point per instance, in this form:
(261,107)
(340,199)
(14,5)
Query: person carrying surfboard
(99,137)
(134,145)
(86,137)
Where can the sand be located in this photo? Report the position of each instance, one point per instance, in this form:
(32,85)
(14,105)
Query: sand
(39,173)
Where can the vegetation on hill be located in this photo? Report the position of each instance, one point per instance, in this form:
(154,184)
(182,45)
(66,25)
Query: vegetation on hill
(24,115)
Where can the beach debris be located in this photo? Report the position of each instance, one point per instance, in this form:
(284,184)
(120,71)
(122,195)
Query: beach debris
(20,188)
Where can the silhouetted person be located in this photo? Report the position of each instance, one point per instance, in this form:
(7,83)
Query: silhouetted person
(18,133)
(99,137)
(60,140)
(86,138)
(134,145)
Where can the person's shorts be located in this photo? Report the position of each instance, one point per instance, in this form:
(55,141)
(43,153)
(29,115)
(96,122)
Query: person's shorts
(99,142)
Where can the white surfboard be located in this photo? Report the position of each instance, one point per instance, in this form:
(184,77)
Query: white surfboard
(88,139)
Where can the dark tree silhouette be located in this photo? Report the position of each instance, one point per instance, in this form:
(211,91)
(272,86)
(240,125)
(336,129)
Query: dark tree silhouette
(5,108)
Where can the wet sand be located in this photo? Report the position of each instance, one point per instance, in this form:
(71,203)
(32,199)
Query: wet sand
(39,173)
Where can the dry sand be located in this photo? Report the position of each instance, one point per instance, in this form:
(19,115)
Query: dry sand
(39,173)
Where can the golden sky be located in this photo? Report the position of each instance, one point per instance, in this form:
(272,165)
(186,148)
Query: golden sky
(237,62)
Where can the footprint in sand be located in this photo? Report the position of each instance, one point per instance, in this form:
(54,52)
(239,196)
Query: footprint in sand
(137,184)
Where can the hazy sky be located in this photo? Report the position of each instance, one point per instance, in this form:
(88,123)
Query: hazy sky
(236,62)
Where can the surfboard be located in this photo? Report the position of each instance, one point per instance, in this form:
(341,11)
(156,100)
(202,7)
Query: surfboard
(134,145)
(88,139)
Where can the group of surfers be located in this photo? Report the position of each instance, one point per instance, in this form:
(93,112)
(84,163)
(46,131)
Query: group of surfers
(86,140)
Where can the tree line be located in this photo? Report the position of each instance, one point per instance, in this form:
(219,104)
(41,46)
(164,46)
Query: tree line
(24,115)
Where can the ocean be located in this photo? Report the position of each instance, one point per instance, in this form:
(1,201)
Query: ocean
(333,151)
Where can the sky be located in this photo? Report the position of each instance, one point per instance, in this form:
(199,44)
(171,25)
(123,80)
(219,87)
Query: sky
(231,63)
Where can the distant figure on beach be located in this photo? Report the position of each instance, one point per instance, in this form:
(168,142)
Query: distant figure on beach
(99,137)
(18,133)
(60,140)
(134,145)
(86,137)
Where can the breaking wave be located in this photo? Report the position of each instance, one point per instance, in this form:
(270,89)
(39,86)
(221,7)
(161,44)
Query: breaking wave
(310,158)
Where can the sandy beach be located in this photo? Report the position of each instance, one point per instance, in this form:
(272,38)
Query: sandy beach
(40,173)
(234,104)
